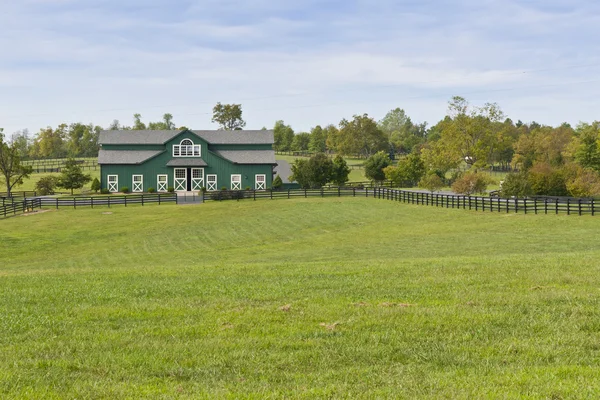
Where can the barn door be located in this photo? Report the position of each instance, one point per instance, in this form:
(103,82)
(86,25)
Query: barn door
(211,183)
(113,183)
(260,182)
(162,183)
(181,179)
(197,178)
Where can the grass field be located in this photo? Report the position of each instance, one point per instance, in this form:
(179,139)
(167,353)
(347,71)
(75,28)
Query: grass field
(29,183)
(336,298)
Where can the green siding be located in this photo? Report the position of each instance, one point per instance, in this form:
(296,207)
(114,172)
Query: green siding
(157,166)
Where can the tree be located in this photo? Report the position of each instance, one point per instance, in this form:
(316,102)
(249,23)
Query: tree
(314,172)
(516,184)
(283,136)
(300,142)
(408,172)
(138,125)
(318,140)
(375,165)
(587,152)
(13,172)
(277,182)
(21,140)
(46,185)
(72,177)
(402,134)
(361,136)
(96,185)
(471,183)
(339,171)
(228,116)
(431,182)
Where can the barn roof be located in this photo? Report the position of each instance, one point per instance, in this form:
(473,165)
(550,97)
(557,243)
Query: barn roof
(186,162)
(126,156)
(248,156)
(161,137)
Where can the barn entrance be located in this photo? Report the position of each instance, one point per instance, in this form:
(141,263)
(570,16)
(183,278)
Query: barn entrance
(189,179)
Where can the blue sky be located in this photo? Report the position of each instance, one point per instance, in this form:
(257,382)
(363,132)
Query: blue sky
(307,62)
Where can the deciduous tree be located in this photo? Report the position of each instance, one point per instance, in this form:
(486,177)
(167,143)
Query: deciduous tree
(228,116)
(12,170)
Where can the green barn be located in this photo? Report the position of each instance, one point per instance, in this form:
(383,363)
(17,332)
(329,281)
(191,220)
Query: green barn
(186,160)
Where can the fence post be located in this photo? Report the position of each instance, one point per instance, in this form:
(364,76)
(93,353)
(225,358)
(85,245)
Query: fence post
(568,206)
(143,199)
(159,199)
(516,205)
(74,203)
(322,194)
(57,203)
(271,193)
(339,192)
(305,194)
(579,206)
(353,192)
(545,205)
(254,194)
(535,205)
(125,198)
(108,201)
(469,202)
(92,201)
(592,205)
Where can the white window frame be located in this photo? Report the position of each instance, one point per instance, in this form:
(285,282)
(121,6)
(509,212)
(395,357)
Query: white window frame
(260,185)
(112,186)
(180,182)
(197,183)
(187,150)
(236,184)
(137,186)
(162,186)
(211,182)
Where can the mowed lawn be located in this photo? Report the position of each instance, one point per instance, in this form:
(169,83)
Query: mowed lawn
(317,298)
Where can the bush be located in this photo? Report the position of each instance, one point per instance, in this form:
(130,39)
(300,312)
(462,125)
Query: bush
(375,165)
(431,182)
(46,185)
(471,183)
(277,182)
(96,185)
(151,190)
(546,180)
(104,191)
(585,184)
(247,187)
(516,184)
(223,188)
(125,189)
(203,189)
(230,195)
(171,189)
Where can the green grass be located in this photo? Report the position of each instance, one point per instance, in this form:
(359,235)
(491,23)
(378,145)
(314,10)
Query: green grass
(185,302)
(29,183)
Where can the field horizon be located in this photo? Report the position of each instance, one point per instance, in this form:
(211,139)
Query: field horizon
(336,297)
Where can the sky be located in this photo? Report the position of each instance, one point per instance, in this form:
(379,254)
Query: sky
(306,62)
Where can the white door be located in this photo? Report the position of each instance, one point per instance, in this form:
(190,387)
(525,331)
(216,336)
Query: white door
(138,183)
(236,182)
(211,183)
(260,182)
(197,178)
(181,179)
(162,183)
(113,183)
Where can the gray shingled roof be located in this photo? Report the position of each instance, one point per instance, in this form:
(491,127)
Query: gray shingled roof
(248,156)
(284,170)
(136,137)
(237,137)
(126,156)
(161,137)
(186,162)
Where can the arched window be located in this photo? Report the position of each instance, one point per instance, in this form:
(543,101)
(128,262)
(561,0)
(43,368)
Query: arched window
(186,148)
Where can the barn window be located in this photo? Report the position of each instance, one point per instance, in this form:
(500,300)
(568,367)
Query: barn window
(186,148)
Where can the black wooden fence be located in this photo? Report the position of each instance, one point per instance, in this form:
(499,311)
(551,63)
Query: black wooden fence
(547,205)
(24,205)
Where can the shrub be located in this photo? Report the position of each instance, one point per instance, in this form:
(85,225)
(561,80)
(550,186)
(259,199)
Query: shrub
(277,182)
(151,190)
(125,189)
(223,188)
(431,182)
(46,185)
(105,191)
(203,189)
(170,189)
(585,184)
(375,165)
(96,185)
(247,187)
(547,180)
(516,184)
(471,183)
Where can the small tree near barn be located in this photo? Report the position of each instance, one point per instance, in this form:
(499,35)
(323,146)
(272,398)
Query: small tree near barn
(72,176)
(13,172)
(375,165)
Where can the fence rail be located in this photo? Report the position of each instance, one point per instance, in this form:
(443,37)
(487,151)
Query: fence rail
(22,206)
(547,205)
